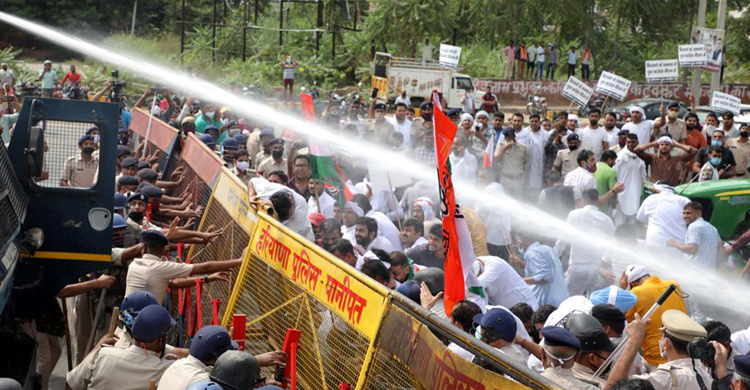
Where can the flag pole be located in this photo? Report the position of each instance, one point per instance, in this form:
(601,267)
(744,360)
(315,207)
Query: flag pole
(317,199)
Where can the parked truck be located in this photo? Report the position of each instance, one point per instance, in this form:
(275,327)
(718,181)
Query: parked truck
(392,75)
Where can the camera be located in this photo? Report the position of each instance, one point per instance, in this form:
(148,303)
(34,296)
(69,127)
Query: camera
(117,87)
(278,375)
(701,349)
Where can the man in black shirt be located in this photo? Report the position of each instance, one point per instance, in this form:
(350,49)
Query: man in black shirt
(430,254)
(727,164)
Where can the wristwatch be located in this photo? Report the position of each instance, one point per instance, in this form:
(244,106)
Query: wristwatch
(206,279)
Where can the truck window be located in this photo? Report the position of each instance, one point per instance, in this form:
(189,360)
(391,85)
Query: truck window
(65,166)
(464,83)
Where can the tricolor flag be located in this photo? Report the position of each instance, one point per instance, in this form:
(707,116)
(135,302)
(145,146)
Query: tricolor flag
(322,164)
(459,253)
(489,152)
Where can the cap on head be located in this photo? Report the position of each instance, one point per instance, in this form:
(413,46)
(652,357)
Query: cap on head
(678,325)
(573,117)
(500,321)
(673,105)
(266,132)
(235,370)
(230,143)
(607,313)
(136,301)
(637,109)
(276,141)
(118,221)
(148,174)
(210,128)
(666,140)
(152,322)
(453,111)
(123,150)
(589,332)
(426,104)
(152,191)
(379,106)
(483,113)
(573,137)
(466,117)
(143,165)
(138,196)
(621,299)
(120,202)
(316,218)
(127,180)
(555,336)
(742,365)
(211,341)
(154,236)
(207,139)
(85,138)
(623,132)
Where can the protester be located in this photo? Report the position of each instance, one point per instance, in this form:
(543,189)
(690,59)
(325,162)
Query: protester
(662,212)
(702,241)
(639,125)
(631,171)
(664,166)
(543,269)
(726,163)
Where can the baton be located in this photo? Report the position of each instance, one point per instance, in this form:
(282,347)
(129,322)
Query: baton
(99,309)
(621,346)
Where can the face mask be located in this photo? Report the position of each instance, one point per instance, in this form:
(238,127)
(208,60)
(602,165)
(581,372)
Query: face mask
(156,110)
(662,352)
(88,150)
(572,148)
(233,132)
(715,161)
(277,154)
(210,114)
(591,168)
(136,216)
(122,141)
(621,143)
(673,114)
(243,165)
(715,142)
(744,134)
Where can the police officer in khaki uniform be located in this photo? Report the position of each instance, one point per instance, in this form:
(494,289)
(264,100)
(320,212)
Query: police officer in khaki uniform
(680,371)
(670,124)
(565,161)
(595,347)
(559,351)
(513,158)
(378,129)
(80,170)
(276,162)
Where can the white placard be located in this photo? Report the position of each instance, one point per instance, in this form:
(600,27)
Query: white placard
(449,55)
(613,86)
(379,178)
(691,56)
(723,102)
(662,70)
(577,91)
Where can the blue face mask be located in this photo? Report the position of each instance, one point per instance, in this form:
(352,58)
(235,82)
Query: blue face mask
(715,161)
(715,142)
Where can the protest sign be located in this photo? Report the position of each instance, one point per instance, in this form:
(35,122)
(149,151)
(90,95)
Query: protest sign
(613,85)
(691,56)
(662,70)
(723,102)
(449,55)
(577,91)
(713,40)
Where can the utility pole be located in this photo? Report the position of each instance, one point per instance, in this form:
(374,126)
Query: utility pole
(182,29)
(244,30)
(213,33)
(135,10)
(319,25)
(720,25)
(697,71)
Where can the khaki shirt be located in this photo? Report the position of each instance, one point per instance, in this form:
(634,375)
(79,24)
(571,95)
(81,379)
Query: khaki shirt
(584,374)
(567,160)
(677,130)
(79,173)
(677,374)
(382,129)
(269,165)
(741,152)
(259,157)
(153,274)
(564,378)
(244,176)
(513,162)
(183,373)
(132,233)
(126,369)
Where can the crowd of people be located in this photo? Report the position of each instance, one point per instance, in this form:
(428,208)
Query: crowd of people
(557,306)
(536,61)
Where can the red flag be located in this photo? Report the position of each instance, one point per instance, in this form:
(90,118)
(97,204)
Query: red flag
(489,152)
(308,109)
(445,131)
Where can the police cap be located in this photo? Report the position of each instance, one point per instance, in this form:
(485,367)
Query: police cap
(555,336)
(276,141)
(84,139)
(129,162)
(154,236)
(152,322)
(152,191)
(120,201)
(127,180)
(678,325)
(123,150)
(211,341)
(138,196)
(148,174)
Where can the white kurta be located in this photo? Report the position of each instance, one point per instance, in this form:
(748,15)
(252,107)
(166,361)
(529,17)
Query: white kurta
(403,128)
(631,171)
(663,213)
(387,229)
(464,168)
(326,205)
(535,142)
(503,285)
(298,222)
(497,222)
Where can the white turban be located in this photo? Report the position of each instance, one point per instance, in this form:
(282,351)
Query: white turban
(635,272)
(484,114)
(466,117)
(638,109)
(573,117)
(427,207)
(666,139)
(354,207)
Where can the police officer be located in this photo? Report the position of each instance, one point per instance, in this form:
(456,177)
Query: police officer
(80,170)
(680,371)
(129,166)
(514,157)
(127,184)
(154,273)
(207,345)
(133,367)
(595,347)
(559,351)
(137,203)
(148,175)
(499,331)
(236,370)
(741,378)
(567,159)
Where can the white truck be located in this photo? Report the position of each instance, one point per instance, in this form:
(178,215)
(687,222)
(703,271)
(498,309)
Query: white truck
(392,75)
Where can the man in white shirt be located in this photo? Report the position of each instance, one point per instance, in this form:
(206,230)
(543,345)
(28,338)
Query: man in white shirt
(583,272)
(427,49)
(535,142)
(412,233)
(400,123)
(582,179)
(463,164)
(593,137)
(610,126)
(366,234)
(502,283)
(639,126)
(663,214)
(294,217)
(497,222)
(154,273)
(320,197)
(631,170)
(702,240)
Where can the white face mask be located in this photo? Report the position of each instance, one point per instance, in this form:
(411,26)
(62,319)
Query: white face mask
(673,114)
(156,110)
(210,114)
(243,165)
(662,350)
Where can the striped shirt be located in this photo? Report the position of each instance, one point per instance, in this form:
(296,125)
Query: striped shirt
(288,69)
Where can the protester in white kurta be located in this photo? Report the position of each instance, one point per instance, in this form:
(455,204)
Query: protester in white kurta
(663,213)
(535,141)
(631,170)
(326,205)
(593,139)
(463,166)
(298,221)
(502,283)
(497,222)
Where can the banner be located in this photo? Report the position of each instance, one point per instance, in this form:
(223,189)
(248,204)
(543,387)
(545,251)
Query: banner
(662,70)
(713,40)
(722,102)
(613,86)
(449,55)
(577,91)
(381,83)
(691,56)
